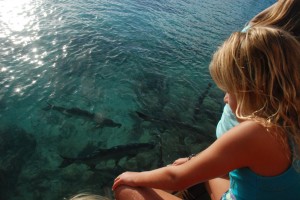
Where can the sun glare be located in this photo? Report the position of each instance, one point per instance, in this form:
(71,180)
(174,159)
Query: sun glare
(15,15)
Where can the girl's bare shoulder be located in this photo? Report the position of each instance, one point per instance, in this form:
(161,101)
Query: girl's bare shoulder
(264,148)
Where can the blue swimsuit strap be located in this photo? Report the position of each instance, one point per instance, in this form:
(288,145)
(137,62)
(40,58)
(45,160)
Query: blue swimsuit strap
(295,151)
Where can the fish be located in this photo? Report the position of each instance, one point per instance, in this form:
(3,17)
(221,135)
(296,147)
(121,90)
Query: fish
(97,118)
(115,153)
(200,100)
(173,124)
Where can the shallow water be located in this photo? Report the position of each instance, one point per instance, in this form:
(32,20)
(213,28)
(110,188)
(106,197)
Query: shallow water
(111,59)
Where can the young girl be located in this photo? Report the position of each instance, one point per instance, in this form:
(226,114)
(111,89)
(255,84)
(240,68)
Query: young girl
(284,14)
(259,70)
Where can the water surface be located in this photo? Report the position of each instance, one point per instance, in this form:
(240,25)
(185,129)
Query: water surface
(111,58)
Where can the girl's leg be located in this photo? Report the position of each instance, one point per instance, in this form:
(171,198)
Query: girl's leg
(217,187)
(142,193)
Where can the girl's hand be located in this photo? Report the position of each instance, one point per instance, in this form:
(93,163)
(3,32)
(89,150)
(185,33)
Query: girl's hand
(126,178)
(180,161)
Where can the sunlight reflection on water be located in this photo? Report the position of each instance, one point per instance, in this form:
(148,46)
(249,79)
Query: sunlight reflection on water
(16,14)
(110,57)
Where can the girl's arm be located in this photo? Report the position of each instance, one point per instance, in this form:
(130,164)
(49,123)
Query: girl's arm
(233,150)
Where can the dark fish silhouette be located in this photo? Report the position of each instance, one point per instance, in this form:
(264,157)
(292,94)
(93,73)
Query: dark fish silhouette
(96,118)
(200,100)
(174,123)
(115,153)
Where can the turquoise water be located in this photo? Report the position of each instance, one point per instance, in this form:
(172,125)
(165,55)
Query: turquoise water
(110,58)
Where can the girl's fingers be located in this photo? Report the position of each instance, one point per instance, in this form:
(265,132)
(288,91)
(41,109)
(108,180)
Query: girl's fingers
(116,184)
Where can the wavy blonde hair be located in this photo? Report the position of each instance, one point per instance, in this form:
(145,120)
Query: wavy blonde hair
(262,69)
(284,14)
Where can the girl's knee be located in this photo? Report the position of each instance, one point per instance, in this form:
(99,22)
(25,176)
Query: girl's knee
(124,192)
(217,187)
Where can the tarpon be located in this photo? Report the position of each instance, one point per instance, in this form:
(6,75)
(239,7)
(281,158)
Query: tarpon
(115,153)
(174,124)
(99,120)
(200,100)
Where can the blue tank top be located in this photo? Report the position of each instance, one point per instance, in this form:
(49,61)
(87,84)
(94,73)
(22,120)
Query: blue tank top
(227,121)
(246,185)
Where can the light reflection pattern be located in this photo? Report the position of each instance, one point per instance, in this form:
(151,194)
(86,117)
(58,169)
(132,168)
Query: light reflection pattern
(19,36)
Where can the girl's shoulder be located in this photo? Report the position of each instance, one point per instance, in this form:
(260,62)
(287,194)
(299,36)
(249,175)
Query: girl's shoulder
(256,137)
(250,131)
(266,148)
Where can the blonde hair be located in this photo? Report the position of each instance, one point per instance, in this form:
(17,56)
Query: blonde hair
(261,68)
(284,14)
(88,196)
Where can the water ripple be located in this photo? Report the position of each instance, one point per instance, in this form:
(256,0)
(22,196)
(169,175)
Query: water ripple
(111,57)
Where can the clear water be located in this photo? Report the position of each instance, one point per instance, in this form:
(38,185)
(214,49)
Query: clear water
(111,58)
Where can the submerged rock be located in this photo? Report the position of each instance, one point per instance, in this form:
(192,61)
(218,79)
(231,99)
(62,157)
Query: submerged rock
(16,147)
